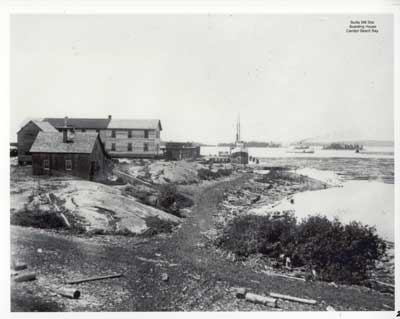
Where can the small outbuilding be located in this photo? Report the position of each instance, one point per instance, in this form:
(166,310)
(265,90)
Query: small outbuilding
(66,153)
(178,151)
(27,135)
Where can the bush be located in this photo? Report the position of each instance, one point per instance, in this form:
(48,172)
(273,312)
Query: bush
(251,234)
(341,253)
(38,219)
(208,174)
(156,226)
(167,196)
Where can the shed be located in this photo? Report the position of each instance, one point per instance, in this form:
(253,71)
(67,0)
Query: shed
(27,135)
(79,154)
(178,151)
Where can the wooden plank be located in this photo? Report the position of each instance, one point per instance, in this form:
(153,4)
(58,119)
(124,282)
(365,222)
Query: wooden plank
(291,298)
(261,300)
(93,279)
(25,277)
(71,293)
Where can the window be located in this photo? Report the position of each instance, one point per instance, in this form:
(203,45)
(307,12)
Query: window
(113,146)
(46,165)
(157,134)
(113,133)
(146,134)
(83,130)
(97,131)
(145,147)
(129,134)
(68,164)
(129,147)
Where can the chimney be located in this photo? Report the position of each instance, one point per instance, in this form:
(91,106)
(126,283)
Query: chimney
(65,130)
(109,117)
(65,135)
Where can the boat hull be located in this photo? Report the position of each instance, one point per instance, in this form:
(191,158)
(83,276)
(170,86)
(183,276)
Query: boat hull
(240,157)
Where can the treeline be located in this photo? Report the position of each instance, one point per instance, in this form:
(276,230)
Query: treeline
(343,146)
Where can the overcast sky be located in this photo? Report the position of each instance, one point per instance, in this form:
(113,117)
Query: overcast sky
(289,76)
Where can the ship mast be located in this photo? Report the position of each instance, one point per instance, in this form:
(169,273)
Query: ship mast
(238,129)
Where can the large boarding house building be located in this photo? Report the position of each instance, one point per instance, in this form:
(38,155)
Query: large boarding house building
(121,137)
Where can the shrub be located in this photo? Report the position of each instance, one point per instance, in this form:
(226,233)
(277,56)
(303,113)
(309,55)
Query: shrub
(38,219)
(251,234)
(341,253)
(167,195)
(156,226)
(208,174)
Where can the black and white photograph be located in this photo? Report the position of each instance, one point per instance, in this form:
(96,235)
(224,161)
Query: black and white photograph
(201,162)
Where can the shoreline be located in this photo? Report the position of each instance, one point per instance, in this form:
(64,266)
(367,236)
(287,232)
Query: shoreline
(190,247)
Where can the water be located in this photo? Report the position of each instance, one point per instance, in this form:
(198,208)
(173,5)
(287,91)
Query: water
(367,195)
(371,203)
(284,152)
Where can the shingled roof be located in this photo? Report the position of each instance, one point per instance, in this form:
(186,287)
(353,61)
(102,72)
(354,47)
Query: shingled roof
(79,123)
(101,124)
(47,142)
(141,124)
(43,126)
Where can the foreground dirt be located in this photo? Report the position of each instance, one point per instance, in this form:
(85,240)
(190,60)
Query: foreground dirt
(174,272)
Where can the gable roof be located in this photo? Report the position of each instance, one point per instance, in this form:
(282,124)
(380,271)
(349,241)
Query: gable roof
(80,123)
(50,142)
(141,124)
(43,126)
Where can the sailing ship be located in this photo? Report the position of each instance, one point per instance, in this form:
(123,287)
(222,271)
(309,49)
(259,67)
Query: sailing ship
(239,153)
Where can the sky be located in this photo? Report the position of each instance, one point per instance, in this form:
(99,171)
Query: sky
(290,77)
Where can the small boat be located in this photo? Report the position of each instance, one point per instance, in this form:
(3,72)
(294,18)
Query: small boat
(310,151)
(239,153)
(301,149)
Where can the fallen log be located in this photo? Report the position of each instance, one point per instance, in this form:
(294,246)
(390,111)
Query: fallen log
(93,279)
(291,298)
(239,292)
(20,266)
(261,300)
(71,293)
(25,277)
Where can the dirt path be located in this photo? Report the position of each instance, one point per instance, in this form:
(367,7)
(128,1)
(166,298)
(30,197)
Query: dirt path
(196,277)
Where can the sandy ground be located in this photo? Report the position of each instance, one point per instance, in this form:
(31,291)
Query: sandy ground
(169,272)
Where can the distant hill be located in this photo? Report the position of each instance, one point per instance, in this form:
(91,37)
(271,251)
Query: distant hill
(253,144)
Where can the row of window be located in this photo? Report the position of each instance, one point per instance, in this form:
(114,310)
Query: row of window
(130,135)
(68,165)
(129,147)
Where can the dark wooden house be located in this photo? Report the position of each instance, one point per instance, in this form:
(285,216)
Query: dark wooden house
(27,135)
(178,151)
(65,153)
